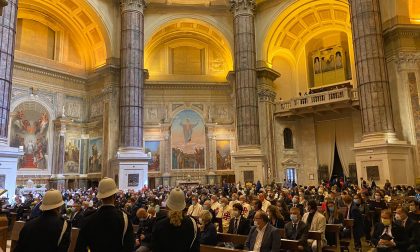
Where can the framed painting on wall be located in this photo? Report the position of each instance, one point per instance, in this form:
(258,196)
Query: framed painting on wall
(223,155)
(95,155)
(72,155)
(153,147)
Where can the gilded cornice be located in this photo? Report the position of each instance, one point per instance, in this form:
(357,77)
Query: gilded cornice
(186,85)
(132,5)
(238,7)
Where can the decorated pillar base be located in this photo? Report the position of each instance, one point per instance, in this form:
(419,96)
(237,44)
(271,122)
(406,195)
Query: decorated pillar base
(249,164)
(57,181)
(132,168)
(382,160)
(9,158)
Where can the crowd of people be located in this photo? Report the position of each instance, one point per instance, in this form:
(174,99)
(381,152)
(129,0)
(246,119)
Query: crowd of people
(182,218)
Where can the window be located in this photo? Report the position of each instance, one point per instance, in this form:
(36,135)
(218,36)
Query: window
(288,138)
(291,175)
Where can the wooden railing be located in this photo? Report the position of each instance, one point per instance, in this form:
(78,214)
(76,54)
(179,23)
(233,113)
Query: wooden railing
(337,95)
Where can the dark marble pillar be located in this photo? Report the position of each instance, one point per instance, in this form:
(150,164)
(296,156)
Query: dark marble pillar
(7,48)
(245,72)
(132,73)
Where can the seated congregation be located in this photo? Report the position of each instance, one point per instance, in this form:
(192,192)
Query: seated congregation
(227,218)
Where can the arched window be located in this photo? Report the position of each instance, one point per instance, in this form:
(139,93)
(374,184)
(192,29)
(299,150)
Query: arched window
(288,138)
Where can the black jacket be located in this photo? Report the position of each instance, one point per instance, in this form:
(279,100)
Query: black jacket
(76,219)
(243,227)
(299,234)
(209,235)
(398,233)
(103,231)
(42,234)
(167,237)
(145,228)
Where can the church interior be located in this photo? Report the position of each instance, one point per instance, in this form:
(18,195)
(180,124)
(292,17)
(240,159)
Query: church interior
(170,92)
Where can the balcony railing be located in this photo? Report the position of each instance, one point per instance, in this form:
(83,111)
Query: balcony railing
(327,97)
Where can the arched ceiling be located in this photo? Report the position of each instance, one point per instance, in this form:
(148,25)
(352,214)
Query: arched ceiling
(303,20)
(190,29)
(76,17)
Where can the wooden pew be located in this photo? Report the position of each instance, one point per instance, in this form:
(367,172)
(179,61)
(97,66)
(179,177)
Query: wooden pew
(348,241)
(317,236)
(333,228)
(73,239)
(207,248)
(17,227)
(291,245)
(235,239)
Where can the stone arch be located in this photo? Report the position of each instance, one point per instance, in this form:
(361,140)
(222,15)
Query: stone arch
(77,19)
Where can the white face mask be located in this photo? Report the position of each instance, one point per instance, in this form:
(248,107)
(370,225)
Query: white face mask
(397,217)
(235,214)
(255,223)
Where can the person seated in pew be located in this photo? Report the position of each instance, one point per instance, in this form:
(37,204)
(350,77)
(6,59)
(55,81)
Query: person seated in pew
(208,233)
(353,212)
(414,244)
(256,206)
(333,216)
(414,213)
(284,210)
(238,224)
(144,231)
(263,237)
(276,219)
(388,236)
(224,213)
(245,206)
(297,230)
(401,219)
(315,222)
(295,203)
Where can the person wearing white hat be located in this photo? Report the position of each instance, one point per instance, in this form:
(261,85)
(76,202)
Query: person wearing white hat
(176,232)
(107,229)
(48,232)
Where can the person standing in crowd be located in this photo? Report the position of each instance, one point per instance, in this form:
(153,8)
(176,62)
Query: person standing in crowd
(315,222)
(276,219)
(144,231)
(297,229)
(176,232)
(208,233)
(246,208)
(388,236)
(195,209)
(332,216)
(76,217)
(107,229)
(48,232)
(238,224)
(263,237)
(353,212)
(265,203)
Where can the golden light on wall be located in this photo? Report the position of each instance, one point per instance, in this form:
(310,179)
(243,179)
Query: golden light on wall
(81,37)
(188,50)
(414,9)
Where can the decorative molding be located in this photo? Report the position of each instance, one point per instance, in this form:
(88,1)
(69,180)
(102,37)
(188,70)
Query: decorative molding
(238,7)
(132,5)
(407,60)
(187,85)
(266,95)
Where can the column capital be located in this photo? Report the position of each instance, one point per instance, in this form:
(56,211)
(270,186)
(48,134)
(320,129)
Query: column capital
(238,7)
(132,5)
(408,60)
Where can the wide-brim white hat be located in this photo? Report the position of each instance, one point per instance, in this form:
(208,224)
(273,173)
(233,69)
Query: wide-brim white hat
(51,200)
(176,200)
(106,188)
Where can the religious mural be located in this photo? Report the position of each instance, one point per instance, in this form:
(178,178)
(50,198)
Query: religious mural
(188,141)
(95,155)
(329,66)
(29,129)
(223,154)
(72,155)
(154,148)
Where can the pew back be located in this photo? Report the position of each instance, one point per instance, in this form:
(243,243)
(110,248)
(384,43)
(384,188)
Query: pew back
(235,239)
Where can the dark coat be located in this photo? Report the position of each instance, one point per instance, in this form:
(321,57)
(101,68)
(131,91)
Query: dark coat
(42,234)
(357,216)
(271,240)
(279,223)
(76,219)
(209,235)
(243,227)
(103,231)
(167,237)
(145,228)
(299,234)
(398,233)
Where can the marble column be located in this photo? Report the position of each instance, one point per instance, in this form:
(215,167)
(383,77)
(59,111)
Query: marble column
(371,69)
(7,52)
(57,177)
(266,94)
(3,3)
(132,161)
(132,73)
(245,72)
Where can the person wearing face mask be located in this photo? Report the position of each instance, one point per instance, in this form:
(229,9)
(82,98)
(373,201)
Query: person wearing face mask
(76,217)
(377,203)
(256,205)
(263,237)
(315,222)
(224,214)
(297,230)
(245,206)
(208,233)
(48,232)
(195,209)
(409,225)
(333,216)
(238,224)
(389,236)
(414,213)
(353,212)
(234,200)
(215,205)
(295,203)
(276,219)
